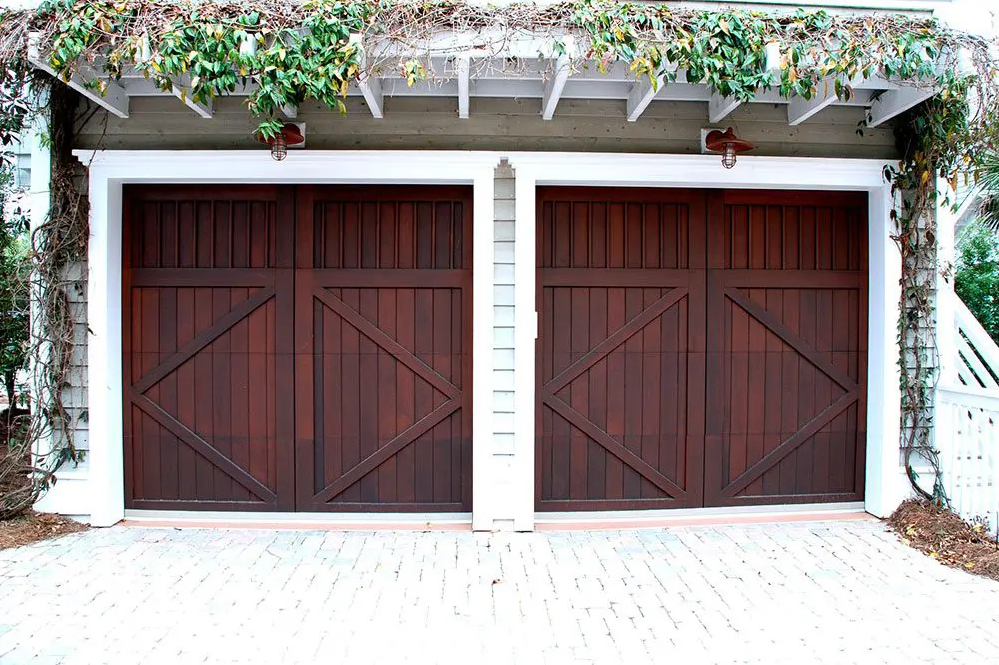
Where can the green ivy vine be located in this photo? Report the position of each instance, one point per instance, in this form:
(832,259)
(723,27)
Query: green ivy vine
(282,54)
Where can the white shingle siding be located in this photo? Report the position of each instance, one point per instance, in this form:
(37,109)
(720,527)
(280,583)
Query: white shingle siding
(503,308)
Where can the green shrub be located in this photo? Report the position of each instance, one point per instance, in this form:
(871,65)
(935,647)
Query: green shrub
(14,325)
(976,277)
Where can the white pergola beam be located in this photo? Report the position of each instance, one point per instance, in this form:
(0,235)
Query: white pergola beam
(800,109)
(114,99)
(894,102)
(641,95)
(464,93)
(720,107)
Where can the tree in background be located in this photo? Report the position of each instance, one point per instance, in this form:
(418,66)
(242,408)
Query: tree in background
(14,304)
(976,277)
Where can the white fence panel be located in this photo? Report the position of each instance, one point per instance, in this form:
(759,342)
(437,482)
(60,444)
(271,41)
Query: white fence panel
(967,436)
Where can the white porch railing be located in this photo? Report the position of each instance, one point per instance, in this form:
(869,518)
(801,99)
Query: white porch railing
(967,436)
(966,423)
(978,355)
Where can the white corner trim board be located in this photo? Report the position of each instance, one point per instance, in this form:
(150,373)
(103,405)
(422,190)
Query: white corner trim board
(498,493)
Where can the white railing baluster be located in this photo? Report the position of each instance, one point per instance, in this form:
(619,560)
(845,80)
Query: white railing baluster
(967,438)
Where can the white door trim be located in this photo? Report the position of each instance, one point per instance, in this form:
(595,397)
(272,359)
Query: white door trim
(884,489)
(109,170)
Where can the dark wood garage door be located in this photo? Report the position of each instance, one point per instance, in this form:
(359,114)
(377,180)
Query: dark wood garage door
(297,348)
(687,354)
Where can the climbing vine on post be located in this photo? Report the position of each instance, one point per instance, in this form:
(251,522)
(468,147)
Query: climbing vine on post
(285,53)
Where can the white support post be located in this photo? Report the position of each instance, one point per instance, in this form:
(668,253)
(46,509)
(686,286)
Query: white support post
(720,107)
(885,483)
(895,102)
(463,64)
(112,97)
(946,306)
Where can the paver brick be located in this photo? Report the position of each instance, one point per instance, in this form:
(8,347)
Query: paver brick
(796,593)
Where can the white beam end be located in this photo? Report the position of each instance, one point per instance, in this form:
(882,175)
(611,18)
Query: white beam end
(800,109)
(641,95)
(371,88)
(895,102)
(720,107)
(111,96)
(555,85)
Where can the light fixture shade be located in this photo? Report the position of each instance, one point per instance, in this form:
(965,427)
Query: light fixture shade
(728,144)
(289,134)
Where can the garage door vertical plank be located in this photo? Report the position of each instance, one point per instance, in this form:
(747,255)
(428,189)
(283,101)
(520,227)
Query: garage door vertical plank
(825,391)
(859,461)
(840,355)
(597,382)
(204,390)
(737,394)
(695,228)
(152,433)
(442,348)
(807,375)
(257,402)
(775,478)
(405,381)
(614,483)
(561,430)
(577,242)
(651,445)
(368,412)
(169,444)
(426,397)
(634,377)
(758,394)
(406,335)
(225,487)
(186,458)
(239,386)
(790,466)
(546,372)
(387,382)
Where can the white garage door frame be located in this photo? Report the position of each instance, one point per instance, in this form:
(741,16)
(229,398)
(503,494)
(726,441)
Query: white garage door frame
(885,484)
(498,498)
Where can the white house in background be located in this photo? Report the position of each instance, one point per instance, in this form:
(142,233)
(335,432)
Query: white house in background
(501,300)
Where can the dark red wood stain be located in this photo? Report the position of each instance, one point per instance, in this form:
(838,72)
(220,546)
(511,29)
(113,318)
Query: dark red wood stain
(700,348)
(297,348)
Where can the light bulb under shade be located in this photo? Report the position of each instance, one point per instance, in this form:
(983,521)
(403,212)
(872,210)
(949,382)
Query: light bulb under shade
(729,156)
(279,147)
(288,135)
(728,144)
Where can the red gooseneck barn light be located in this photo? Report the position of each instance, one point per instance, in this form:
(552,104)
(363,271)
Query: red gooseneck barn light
(728,144)
(289,134)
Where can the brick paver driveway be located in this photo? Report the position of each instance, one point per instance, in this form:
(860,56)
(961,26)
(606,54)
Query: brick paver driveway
(834,592)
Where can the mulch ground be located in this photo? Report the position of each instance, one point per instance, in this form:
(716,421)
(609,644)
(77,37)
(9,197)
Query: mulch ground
(32,527)
(946,537)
